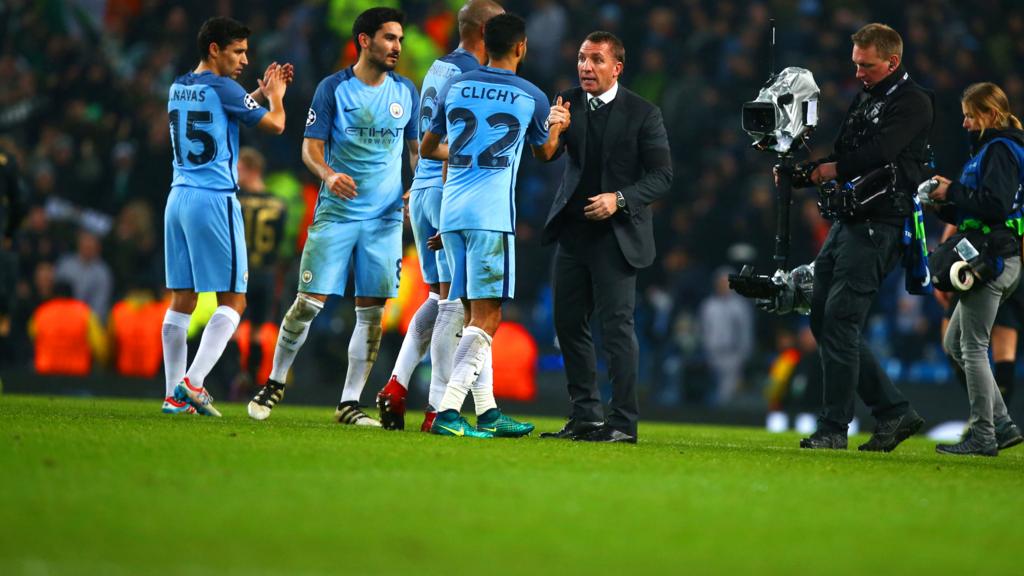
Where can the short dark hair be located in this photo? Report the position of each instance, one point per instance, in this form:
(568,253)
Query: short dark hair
(371,20)
(613,42)
(223,31)
(502,33)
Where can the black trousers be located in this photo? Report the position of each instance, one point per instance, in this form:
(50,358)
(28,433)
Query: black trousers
(848,272)
(592,275)
(8,280)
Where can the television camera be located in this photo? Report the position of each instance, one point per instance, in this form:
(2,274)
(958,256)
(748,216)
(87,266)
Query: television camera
(780,120)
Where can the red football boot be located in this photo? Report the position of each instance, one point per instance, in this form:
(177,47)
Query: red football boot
(391,402)
(428,421)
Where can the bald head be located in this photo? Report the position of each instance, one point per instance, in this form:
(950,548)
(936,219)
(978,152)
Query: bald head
(473,15)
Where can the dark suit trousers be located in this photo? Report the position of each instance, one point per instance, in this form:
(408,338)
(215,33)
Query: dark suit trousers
(591,274)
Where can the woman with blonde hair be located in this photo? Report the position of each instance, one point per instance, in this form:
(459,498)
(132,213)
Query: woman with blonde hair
(985,205)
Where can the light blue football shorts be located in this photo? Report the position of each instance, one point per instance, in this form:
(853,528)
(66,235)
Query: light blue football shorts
(425,217)
(372,247)
(204,241)
(482,262)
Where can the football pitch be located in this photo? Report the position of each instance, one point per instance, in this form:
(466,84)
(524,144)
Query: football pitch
(106,486)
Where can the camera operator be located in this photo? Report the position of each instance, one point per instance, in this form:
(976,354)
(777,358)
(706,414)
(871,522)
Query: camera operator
(985,206)
(888,123)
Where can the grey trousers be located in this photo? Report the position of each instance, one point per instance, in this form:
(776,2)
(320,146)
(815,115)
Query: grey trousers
(967,341)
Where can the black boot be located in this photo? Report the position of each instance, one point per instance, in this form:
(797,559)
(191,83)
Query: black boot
(825,439)
(889,433)
(970,446)
(1008,435)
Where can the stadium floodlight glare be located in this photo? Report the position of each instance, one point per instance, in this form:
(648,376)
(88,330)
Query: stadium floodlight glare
(784,112)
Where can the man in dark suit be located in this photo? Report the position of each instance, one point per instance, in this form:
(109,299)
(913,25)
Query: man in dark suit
(619,163)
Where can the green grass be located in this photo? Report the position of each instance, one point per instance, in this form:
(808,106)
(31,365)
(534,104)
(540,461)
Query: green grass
(103,486)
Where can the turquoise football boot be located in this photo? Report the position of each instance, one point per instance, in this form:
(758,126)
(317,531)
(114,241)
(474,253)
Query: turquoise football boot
(501,426)
(449,423)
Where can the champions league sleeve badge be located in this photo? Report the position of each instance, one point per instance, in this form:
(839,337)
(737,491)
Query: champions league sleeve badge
(311,117)
(250,102)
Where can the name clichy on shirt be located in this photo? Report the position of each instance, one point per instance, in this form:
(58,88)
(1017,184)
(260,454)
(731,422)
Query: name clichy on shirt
(497,94)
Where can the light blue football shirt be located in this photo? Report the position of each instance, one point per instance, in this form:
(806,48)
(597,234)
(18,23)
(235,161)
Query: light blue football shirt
(487,115)
(204,111)
(364,129)
(429,172)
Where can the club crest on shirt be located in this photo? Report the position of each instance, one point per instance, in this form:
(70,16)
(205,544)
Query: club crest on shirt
(311,117)
(307,276)
(250,102)
(396,110)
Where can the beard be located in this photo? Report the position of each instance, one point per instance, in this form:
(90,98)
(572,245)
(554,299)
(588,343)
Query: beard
(380,61)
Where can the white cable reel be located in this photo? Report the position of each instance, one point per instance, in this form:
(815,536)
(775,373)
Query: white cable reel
(961,277)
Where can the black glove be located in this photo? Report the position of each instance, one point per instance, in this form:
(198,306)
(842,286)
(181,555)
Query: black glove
(802,173)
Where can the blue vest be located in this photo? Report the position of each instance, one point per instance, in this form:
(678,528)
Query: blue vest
(971,178)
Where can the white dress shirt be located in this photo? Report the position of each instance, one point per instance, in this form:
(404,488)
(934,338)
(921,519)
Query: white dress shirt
(607,97)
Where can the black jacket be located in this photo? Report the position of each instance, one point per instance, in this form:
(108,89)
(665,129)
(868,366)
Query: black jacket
(992,202)
(636,161)
(12,201)
(888,123)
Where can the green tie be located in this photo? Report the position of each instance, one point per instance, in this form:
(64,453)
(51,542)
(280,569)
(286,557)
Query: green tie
(595,103)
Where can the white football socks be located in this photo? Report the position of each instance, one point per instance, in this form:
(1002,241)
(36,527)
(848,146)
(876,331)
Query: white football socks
(294,329)
(362,350)
(483,388)
(174,335)
(469,361)
(450,318)
(417,339)
(218,332)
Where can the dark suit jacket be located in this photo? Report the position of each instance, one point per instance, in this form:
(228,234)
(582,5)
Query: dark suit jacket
(636,161)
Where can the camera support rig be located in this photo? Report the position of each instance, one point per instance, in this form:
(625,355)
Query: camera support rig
(765,290)
(780,119)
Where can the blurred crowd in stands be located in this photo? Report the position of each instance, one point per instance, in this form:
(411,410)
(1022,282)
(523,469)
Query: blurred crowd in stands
(83,124)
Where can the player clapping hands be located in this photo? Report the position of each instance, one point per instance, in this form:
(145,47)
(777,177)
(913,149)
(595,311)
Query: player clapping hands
(285,73)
